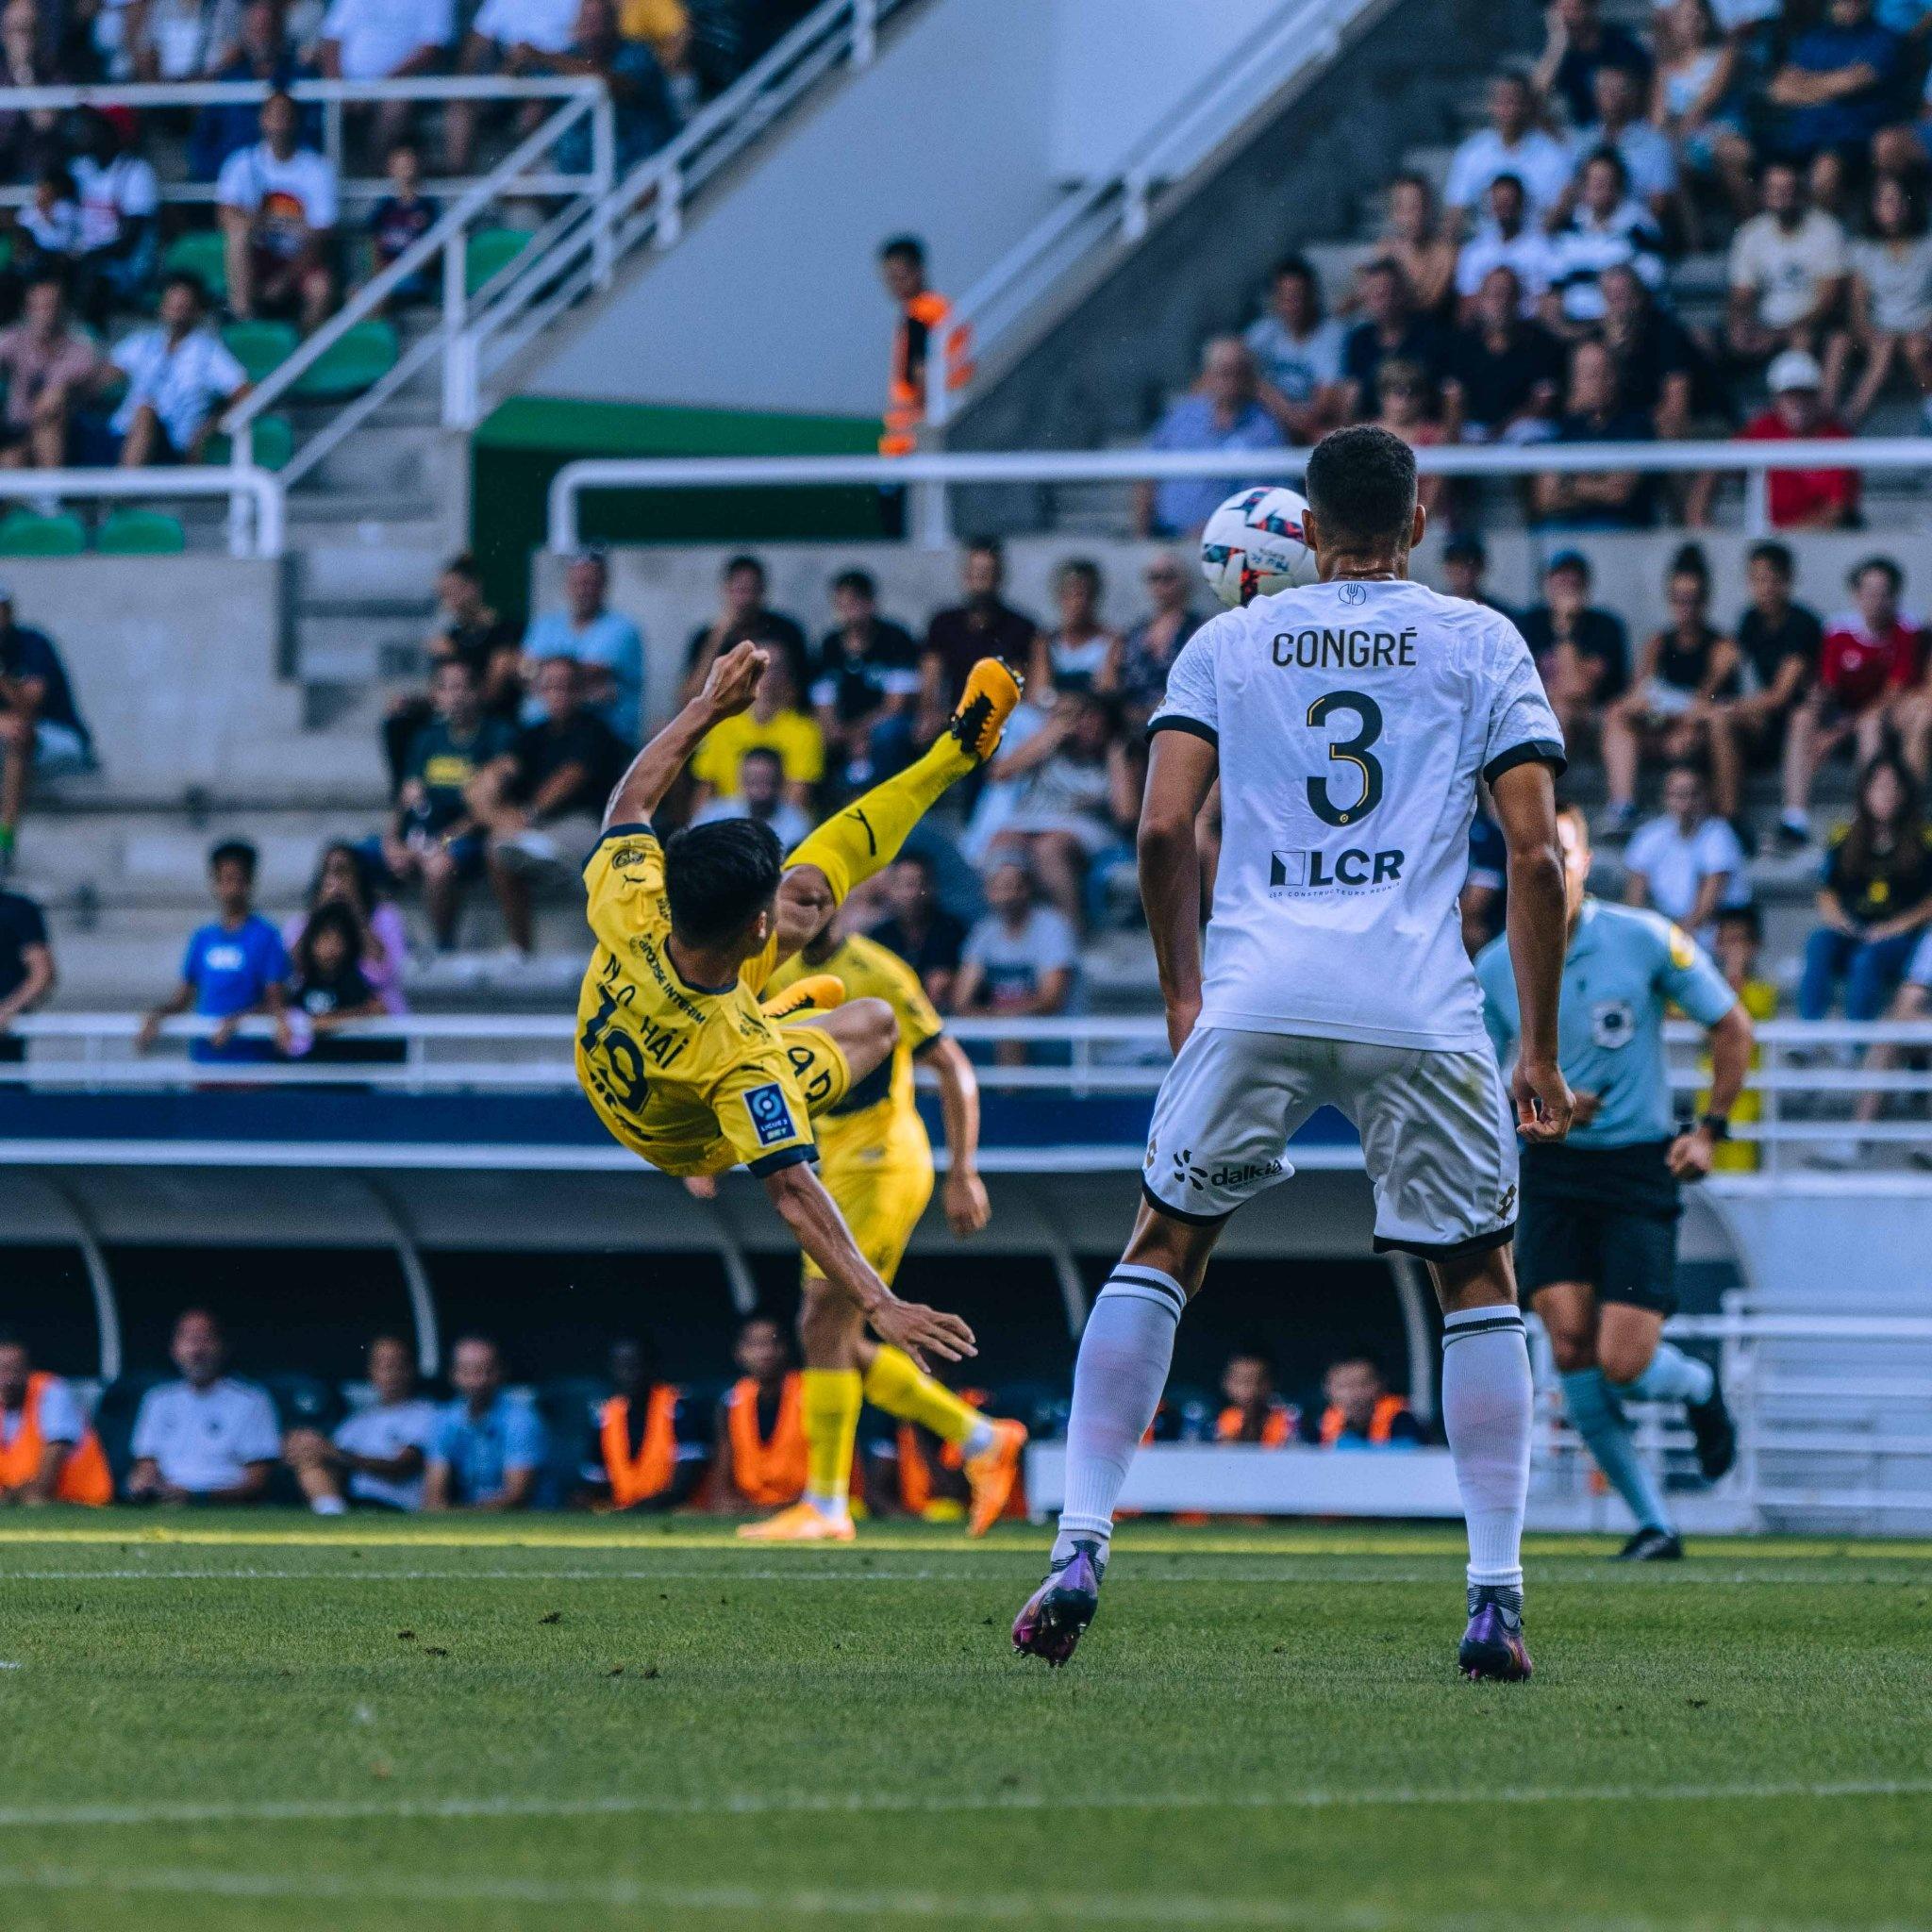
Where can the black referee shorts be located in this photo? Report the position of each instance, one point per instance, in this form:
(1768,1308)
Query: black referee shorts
(1603,1216)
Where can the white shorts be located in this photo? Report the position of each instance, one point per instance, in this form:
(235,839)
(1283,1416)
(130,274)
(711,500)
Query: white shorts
(1438,1134)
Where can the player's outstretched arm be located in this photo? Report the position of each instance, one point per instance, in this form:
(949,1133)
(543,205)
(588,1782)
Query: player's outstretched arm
(968,1209)
(1526,798)
(813,1215)
(1181,770)
(728,690)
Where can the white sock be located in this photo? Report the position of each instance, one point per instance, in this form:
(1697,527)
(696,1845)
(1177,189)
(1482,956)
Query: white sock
(835,1505)
(1485,1411)
(329,1506)
(1124,1355)
(979,1439)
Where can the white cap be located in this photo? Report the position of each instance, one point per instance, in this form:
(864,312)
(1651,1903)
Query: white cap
(1794,369)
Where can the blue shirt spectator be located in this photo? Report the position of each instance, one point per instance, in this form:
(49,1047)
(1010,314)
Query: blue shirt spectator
(1222,414)
(488,1447)
(609,645)
(1847,42)
(234,965)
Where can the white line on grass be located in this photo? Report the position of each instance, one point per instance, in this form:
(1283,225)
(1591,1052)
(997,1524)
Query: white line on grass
(859,1804)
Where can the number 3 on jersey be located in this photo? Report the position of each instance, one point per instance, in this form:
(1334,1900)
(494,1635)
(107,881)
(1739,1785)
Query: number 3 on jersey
(1348,750)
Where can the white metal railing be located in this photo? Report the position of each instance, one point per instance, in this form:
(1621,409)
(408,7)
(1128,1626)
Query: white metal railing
(257,510)
(930,477)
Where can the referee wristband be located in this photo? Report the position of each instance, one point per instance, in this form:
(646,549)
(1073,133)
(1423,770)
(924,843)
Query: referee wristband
(1718,1125)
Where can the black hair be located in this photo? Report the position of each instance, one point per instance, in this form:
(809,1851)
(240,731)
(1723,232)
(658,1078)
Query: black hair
(766,752)
(1611,157)
(987,546)
(860,583)
(1778,556)
(1294,265)
(905,247)
(187,278)
(1689,562)
(719,877)
(1465,547)
(366,877)
(332,917)
(1086,570)
(744,560)
(236,852)
(1252,1350)
(1894,575)
(1514,179)
(463,564)
(1362,485)
(1746,915)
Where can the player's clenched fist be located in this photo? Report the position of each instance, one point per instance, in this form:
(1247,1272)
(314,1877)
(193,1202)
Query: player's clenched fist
(920,1331)
(734,678)
(1543,1102)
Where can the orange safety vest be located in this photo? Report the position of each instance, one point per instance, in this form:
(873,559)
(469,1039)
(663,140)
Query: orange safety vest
(922,318)
(769,1473)
(1387,1409)
(636,1479)
(84,1476)
(1275,1431)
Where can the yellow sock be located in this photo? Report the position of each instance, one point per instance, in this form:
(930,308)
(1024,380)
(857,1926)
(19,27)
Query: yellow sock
(830,1401)
(865,838)
(898,1385)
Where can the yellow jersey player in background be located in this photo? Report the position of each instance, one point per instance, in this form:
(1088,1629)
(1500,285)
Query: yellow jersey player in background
(687,1069)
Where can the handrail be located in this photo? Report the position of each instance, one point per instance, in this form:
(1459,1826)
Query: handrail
(941,471)
(257,513)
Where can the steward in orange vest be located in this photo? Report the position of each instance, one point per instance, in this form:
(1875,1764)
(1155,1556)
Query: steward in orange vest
(1362,1414)
(1273,1426)
(760,1460)
(644,1463)
(923,315)
(82,1475)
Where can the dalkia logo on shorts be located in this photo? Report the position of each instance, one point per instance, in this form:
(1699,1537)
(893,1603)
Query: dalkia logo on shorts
(1185,1168)
(1316,871)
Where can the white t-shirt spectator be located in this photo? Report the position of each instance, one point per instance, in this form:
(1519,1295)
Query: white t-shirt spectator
(205,1439)
(1782,269)
(1538,161)
(377,36)
(1014,963)
(549,25)
(60,1419)
(1649,160)
(1299,366)
(287,197)
(1677,864)
(1898,283)
(1527,255)
(384,1430)
(183,383)
(1584,247)
(125,189)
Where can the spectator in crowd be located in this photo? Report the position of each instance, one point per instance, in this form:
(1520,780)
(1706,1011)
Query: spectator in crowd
(984,624)
(120,219)
(466,626)
(1408,406)
(1781,644)
(1692,99)
(1221,412)
(541,806)
(1415,239)
(1607,229)
(759,793)
(207,1438)
(28,140)
(375,1458)
(346,877)
(924,316)
(1507,239)
(1913,1001)
(235,966)
(1505,373)
(26,968)
(1361,1413)
(1578,44)
(1593,411)
(774,722)
(642,111)
(920,930)
(1137,674)
(1074,656)
(865,688)
(1297,351)
(402,218)
(1686,674)
(181,378)
(758,1461)
(435,837)
(1875,899)
(1251,1410)
(1834,93)
(1618,126)
(50,369)
(605,643)
(1389,329)
(386,40)
(1465,564)
(1485,897)
(327,987)
(1687,864)
(1890,319)
(278,203)
(645,1448)
(1582,651)
(1656,356)
(48,1451)
(1021,961)
(262,54)
(1798,499)
(1786,271)
(1513,144)
(47,232)
(1735,949)
(509,37)
(1871,666)
(488,1447)
(1078,799)
(742,612)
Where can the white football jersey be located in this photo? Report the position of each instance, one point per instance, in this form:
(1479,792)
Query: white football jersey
(1353,719)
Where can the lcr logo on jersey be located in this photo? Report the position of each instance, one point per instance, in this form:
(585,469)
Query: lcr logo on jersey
(770,1114)
(1612,1025)
(1314,870)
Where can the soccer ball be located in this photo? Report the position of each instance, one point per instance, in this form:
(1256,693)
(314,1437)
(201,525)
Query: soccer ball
(1253,545)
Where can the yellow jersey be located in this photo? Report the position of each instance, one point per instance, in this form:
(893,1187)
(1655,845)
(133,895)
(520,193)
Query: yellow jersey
(878,1115)
(794,736)
(694,1078)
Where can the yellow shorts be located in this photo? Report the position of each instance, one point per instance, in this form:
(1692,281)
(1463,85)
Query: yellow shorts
(881,1192)
(818,1064)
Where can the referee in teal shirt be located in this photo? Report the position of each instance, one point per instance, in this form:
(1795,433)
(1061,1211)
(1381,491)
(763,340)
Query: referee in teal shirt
(1596,1239)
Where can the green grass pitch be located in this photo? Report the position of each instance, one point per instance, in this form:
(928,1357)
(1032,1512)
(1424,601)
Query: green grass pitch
(220,1722)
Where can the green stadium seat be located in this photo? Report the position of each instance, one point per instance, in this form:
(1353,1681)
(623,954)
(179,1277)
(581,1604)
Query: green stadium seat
(260,347)
(26,533)
(141,533)
(200,252)
(488,252)
(274,443)
(360,358)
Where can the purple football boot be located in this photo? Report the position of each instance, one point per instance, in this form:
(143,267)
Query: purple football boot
(1492,1647)
(1060,1610)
